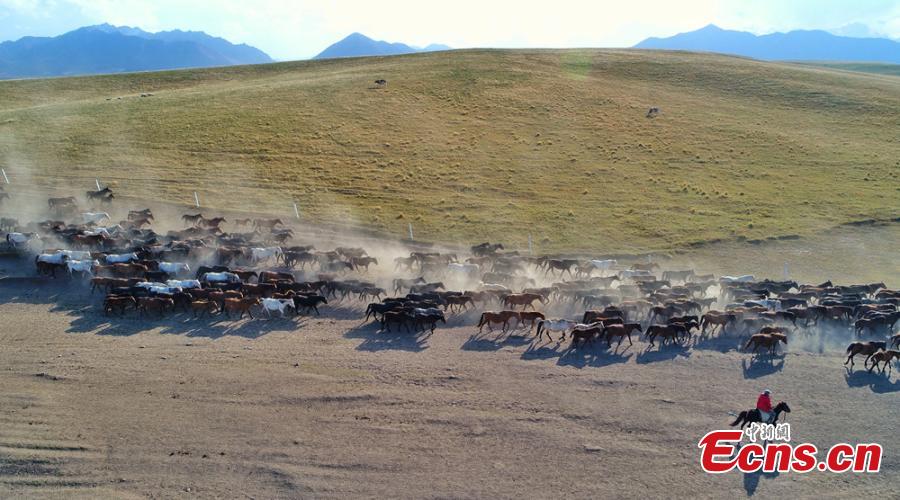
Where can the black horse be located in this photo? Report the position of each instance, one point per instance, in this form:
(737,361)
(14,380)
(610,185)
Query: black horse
(750,416)
(99,194)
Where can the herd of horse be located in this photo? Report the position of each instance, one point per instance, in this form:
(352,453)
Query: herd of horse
(204,270)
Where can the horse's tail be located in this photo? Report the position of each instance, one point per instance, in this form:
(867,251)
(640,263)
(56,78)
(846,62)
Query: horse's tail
(851,346)
(741,416)
(748,344)
(540,325)
(481,320)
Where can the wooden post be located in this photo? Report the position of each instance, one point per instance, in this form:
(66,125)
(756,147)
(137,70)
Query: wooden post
(196,199)
(410,232)
(296,211)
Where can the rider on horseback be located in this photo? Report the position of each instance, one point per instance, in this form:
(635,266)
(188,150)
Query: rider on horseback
(764,406)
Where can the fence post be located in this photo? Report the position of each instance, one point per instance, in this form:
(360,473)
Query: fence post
(97,182)
(410,232)
(196,199)
(5,178)
(296,211)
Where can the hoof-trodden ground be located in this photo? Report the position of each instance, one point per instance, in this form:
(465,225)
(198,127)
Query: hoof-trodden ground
(323,407)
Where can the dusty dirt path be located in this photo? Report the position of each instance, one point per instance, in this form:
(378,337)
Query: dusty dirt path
(325,407)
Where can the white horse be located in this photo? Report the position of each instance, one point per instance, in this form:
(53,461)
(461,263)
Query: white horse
(121,258)
(604,265)
(220,278)
(184,283)
(154,287)
(82,266)
(771,304)
(94,217)
(746,278)
(264,254)
(280,305)
(52,258)
(630,273)
(76,254)
(493,287)
(16,239)
(554,325)
(463,270)
(173,267)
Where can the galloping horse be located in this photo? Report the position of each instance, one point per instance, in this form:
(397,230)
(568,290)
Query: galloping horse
(523,299)
(192,219)
(751,416)
(867,348)
(767,340)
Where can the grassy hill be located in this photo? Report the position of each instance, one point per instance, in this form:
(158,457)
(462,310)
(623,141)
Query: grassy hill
(877,68)
(484,144)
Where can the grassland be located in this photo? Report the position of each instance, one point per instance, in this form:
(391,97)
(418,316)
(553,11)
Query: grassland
(877,68)
(484,144)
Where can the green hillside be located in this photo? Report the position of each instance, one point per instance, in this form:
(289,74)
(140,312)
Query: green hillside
(484,144)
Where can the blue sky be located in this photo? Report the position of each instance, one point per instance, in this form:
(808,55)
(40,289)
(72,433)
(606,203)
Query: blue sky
(301,28)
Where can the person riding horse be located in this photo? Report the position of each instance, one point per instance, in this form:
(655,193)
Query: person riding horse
(764,405)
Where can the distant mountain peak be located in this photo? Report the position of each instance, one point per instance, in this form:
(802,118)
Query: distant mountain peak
(357,45)
(799,45)
(105,48)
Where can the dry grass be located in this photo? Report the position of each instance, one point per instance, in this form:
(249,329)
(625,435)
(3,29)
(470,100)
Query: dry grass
(484,144)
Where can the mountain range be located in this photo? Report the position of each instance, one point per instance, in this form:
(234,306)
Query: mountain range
(357,45)
(114,49)
(800,45)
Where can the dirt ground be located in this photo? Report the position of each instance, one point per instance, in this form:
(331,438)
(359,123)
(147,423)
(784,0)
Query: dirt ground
(327,407)
(92,406)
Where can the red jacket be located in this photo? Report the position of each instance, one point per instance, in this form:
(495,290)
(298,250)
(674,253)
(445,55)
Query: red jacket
(764,403)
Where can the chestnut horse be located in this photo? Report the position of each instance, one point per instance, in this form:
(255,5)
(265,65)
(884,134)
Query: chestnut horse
(867,348)
(767,340)
(523,299)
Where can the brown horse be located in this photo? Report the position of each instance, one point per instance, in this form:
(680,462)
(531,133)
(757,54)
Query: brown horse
(767,340)
(491,318)
(620,331)
(586,333)
(884,357)
(365,262)
(240,306)
(266,223)
(666,332)
(88,240)
(458,302)
(192,219)
(58,203)
(531,317)
(212,223)
(717,320)
(118,304)
(866,348)
(201,308)
(525,300)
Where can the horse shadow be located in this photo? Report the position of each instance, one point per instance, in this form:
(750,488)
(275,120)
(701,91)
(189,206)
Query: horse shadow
(584,356)
(537,351)
(751,480)
(877,382)
(720,343)
(761,366)
(494,340)
(373,339)
(664,353)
